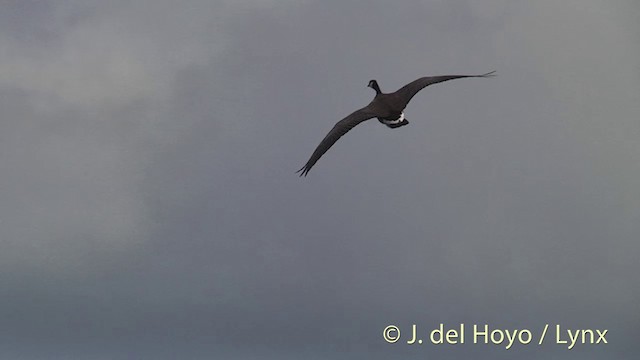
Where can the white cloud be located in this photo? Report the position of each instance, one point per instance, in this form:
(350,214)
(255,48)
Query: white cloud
(111,55)
(74,153)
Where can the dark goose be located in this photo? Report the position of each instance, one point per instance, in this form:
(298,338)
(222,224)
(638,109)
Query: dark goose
(387,108)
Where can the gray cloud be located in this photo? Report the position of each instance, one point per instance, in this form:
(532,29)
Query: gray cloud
(150,207)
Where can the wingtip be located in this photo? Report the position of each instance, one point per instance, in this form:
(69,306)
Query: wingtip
(303,171)
(489,74)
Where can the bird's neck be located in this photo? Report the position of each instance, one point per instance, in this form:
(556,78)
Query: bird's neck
(376,88)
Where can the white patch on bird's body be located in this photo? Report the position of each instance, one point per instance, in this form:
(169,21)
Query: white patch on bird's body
(394,122)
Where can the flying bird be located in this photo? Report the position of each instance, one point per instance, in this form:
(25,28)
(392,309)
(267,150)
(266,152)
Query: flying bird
(387,108)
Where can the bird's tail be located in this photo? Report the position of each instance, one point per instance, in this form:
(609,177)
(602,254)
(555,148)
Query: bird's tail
(402,123)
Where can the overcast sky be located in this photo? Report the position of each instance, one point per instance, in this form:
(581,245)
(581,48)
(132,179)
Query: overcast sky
(149,207)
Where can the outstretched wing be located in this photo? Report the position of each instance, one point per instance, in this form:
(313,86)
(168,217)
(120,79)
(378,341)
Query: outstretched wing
(407,92)
(339,129)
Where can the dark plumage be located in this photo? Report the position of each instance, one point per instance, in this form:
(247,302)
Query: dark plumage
(388,108)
